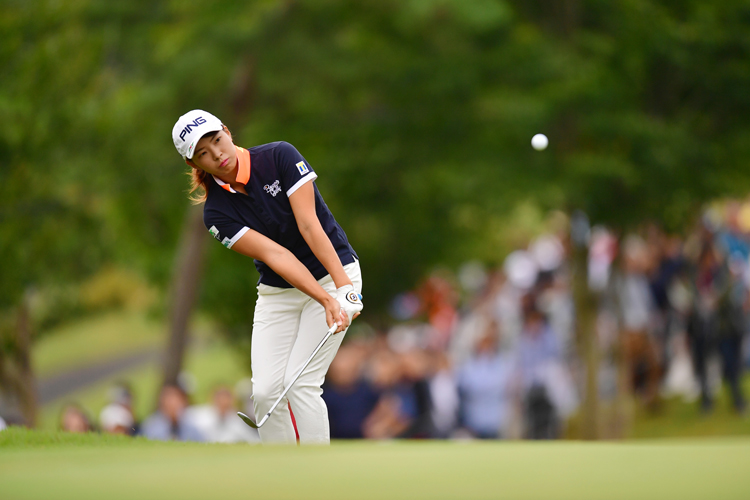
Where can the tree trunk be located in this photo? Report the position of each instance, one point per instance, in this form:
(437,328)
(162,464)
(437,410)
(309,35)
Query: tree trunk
(585,304)
(622,408)
(184,291)
(26,380)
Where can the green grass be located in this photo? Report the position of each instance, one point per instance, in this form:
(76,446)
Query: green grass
(677,418)
(41,466)
(19,437)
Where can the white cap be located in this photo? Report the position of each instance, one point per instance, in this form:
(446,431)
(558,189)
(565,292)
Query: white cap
(521,269)
(114,416)
(190,128)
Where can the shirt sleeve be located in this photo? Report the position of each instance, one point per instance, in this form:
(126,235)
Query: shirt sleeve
(293,168)
(224,229)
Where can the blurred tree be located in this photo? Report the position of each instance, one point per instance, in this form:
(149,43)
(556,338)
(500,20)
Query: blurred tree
(417,115)
(186,279)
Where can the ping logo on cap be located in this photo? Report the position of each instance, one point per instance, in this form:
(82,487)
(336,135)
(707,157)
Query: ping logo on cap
(198,121)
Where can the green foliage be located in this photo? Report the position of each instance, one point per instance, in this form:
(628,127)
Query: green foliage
(417,115)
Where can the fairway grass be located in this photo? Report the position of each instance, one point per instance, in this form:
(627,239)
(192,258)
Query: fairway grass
(49,465)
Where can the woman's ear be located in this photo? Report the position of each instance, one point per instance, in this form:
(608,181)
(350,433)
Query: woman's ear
(190,162)
(226,130)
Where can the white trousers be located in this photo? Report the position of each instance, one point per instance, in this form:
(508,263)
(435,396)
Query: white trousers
(287,327)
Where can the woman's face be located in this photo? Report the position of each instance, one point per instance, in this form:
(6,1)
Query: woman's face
(215,153)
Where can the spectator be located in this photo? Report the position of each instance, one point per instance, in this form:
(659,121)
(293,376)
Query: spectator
(556,302)
(116,419)
(218,422)
(731,328)
(476,317)
(74,419)
(730,238)
(637,311)
(439,299)
(541,377)
(396,408)
(415,365)
(680,376)
(444,397)
(348,396)
(120,394)
(669,266)
(483,387)
(703,322)
(170,422)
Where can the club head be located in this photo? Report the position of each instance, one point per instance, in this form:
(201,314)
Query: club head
(247,420)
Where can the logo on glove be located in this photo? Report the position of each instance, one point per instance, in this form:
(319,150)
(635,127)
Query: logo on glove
(353,297)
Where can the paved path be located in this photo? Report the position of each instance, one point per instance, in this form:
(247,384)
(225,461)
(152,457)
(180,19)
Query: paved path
(51,388)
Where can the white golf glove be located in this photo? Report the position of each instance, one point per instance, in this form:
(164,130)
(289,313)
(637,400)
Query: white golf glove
(349,300)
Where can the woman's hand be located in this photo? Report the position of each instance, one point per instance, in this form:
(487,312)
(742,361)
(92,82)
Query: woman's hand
(351,301)
(334,314)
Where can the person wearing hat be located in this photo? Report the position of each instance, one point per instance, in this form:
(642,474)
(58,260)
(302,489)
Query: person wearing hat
(116,419)
(263,203)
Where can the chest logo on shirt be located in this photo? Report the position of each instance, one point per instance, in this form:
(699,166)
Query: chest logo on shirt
(273,189)
(302,168)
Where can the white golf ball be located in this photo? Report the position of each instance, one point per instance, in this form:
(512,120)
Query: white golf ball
(539,142)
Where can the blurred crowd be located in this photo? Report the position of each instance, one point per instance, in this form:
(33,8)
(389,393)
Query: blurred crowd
(175,418)
(476,355)
(494,353)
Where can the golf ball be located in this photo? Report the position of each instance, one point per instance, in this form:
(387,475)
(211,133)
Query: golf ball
(539,142)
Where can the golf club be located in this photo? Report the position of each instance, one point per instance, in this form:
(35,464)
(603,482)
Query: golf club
(249,421)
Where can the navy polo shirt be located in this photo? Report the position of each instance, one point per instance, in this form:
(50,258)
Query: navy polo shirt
(271,173)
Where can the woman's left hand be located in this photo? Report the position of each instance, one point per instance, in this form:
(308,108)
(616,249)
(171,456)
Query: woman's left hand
(334,313)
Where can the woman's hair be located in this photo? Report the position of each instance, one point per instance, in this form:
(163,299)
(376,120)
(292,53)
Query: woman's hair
(199,177)
(199,183)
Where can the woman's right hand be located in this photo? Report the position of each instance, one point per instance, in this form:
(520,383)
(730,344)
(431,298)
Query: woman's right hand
(334,314)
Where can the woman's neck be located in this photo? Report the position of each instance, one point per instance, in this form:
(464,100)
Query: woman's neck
(231,179)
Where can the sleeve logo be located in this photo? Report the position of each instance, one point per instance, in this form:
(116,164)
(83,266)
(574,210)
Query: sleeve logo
(226,242)
(302,168)
(214,232)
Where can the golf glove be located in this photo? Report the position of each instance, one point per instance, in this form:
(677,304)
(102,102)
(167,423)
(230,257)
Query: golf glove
(350,301)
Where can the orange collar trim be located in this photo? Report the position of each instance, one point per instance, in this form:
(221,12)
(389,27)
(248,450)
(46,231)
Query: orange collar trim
(243,165)
(243,170)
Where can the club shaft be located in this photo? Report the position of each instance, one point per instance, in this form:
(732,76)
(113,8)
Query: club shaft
(297,375)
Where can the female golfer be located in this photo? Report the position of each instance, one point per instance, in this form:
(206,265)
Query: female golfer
(263,202)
